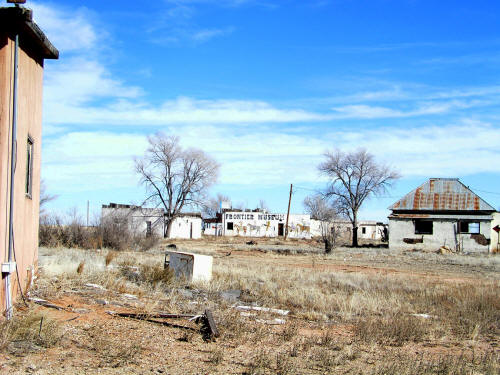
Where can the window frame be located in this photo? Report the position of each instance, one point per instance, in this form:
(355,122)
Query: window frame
(420,230)
(229,223)
(468,222)
(30,150)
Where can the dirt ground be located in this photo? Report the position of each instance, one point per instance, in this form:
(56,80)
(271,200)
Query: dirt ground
(308,340)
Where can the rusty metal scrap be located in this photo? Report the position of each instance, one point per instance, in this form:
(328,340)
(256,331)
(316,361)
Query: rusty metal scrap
(208,328)
(447,194)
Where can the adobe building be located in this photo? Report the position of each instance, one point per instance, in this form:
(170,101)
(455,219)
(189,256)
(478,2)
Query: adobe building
(442,212)
(23,49)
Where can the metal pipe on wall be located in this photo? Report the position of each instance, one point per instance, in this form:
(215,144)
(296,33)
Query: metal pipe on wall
(13,162)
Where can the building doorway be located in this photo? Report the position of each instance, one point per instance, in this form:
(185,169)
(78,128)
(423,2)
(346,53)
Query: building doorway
(281,229)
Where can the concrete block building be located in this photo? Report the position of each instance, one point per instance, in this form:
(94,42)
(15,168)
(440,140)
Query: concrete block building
(23,50)
(441,212)
(143,221)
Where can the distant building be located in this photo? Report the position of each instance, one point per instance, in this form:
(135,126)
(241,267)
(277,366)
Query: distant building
(143,221)
(258,223)
(23,49)
(367,230)
(441,212)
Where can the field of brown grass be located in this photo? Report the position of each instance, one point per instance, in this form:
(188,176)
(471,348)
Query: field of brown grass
(354,311)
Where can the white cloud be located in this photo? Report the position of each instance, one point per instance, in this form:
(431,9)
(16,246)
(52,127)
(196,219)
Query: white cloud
(181,110)
(363,111)
(266,156)
(207,34)
(68,30)
(77,81)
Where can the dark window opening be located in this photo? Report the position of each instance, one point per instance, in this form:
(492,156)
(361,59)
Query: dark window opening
(230,225)
(148,229)
(363,230)
(468,227)
(423,226)
(29,168)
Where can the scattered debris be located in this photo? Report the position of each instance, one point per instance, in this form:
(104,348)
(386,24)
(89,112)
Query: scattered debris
(264,309)
(45,303)
(247,314)
(172,246)
(444,250)
(208,329)
(129,296)
(252,242)
(425,316)
(231,295)
(275,321)
(81,311)
(95,286)
(101,302)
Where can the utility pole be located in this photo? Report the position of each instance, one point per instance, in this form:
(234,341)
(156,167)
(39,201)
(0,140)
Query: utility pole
(288,212)
(88,209)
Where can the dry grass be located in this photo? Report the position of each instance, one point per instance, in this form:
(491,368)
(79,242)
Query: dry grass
(109,257)
(32,329)
(395,330)
(462,364)
(345,313)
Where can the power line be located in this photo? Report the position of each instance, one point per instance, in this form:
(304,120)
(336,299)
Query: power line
(484,191)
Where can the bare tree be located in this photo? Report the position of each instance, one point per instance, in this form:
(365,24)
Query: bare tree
(44,197)
(353,178)
(212,205)
(320,208)
(175,178)
(263,205)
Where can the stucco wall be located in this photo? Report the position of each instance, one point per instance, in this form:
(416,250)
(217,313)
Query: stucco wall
(443,235)
(186,227)
(372,229)
(259,224)
(26,209)
(495,240)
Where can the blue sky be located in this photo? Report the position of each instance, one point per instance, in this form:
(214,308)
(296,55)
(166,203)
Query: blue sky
(266,87)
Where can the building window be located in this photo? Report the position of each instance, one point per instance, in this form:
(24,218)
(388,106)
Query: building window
(29,167)
(148,229)
(468,227)
(363,230)
(423,226)
(230,225)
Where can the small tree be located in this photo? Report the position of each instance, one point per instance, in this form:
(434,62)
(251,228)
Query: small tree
(353,178)
(174,177)
(320,208)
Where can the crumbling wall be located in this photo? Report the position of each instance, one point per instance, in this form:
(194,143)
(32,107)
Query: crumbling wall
(402,236)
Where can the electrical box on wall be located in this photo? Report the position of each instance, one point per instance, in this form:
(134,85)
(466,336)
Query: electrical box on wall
(9,267)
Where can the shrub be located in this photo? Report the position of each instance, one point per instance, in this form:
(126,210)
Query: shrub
(55,231)
(33,328)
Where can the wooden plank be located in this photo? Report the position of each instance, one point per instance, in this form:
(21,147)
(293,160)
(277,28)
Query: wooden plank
(211,323)
(147,315)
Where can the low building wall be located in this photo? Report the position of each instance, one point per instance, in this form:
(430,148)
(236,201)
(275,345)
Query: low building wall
(402,236)
(259,224)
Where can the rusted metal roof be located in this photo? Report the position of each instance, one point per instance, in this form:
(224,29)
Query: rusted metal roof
(437,194)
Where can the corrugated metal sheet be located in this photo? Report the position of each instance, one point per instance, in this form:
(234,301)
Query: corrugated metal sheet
(442,194)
